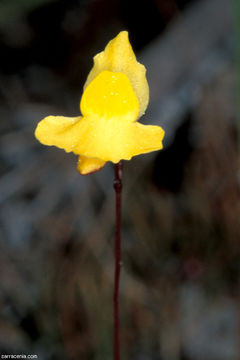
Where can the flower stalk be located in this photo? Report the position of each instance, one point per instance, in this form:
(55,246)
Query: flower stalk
(236,24)
(118,168)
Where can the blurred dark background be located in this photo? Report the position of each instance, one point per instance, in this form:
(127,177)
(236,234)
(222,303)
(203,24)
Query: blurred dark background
(180,287)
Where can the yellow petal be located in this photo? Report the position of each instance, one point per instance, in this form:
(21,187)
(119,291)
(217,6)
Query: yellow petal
(107,132)
(145,138)
(118,56)
(60,131)
(88,165)
(110,95)
(113,140)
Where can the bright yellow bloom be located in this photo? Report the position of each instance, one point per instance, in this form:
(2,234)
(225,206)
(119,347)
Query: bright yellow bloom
(115,95)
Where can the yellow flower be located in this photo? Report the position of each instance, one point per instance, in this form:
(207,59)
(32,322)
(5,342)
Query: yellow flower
(115,95)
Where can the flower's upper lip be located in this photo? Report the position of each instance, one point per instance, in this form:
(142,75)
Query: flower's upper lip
(118,56)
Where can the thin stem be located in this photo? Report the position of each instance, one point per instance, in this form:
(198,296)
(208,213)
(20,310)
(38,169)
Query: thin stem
(236,23)
(118,190)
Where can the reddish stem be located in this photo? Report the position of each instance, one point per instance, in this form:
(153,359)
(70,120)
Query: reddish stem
(118,190)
